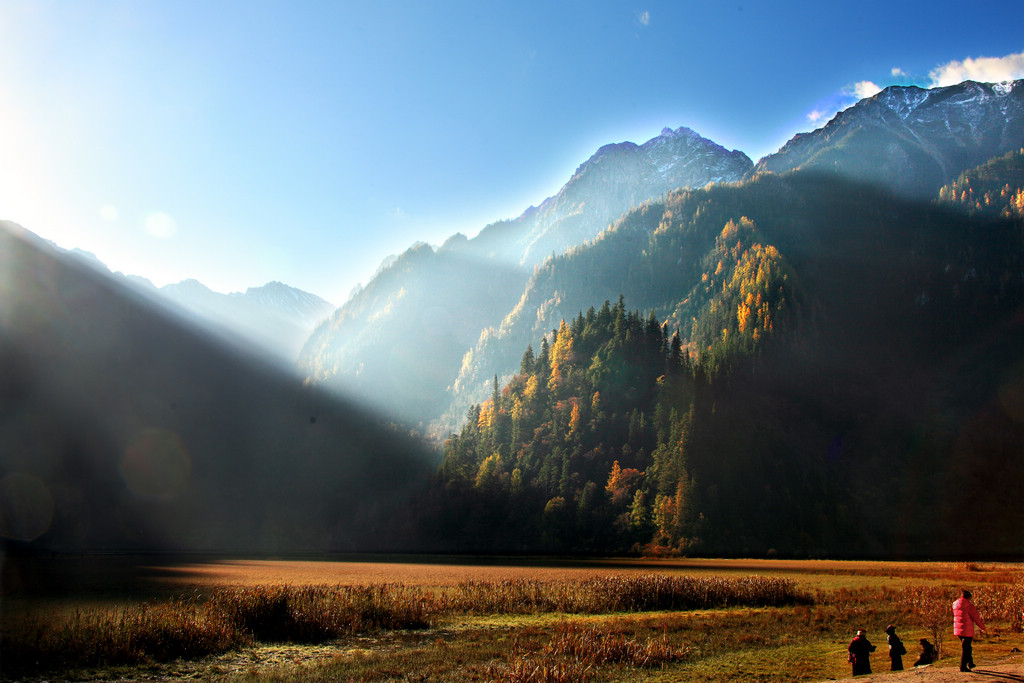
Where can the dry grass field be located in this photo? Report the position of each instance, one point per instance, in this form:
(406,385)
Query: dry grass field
(487,619)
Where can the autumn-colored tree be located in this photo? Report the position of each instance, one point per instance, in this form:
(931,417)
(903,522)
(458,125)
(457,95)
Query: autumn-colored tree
(621,483)
(575,420)
(561,358)
(489,474)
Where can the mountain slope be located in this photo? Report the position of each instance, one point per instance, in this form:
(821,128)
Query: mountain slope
(122,428)
(399,342)
(911,140)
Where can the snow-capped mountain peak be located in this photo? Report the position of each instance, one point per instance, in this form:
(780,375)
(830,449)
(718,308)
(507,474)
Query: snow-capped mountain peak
(902,100)
(911,140)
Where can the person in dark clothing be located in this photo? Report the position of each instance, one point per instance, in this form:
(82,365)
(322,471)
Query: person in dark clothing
(928,653)
(896,649)
(860,654)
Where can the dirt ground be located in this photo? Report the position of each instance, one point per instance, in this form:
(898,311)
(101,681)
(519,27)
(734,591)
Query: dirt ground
(1010,668)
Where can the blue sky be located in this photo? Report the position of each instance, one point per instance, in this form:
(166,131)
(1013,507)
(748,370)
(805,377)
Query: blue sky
(243,142)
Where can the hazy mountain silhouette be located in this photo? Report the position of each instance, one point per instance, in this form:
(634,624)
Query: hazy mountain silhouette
(275,317)
(121,427)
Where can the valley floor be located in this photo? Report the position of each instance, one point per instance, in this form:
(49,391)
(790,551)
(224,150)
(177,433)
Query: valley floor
(803,640)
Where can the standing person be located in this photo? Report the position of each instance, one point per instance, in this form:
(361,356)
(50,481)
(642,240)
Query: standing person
(860,654)
(965,616)
(896,649)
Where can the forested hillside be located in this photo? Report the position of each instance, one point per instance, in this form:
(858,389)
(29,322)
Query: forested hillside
(819,368)
(996,188)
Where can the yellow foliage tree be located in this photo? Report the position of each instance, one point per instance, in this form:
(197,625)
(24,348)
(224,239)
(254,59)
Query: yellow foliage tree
(489,473)
(561,357)
(575,419)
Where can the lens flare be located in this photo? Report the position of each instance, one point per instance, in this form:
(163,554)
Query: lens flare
(26,507)
(155,465)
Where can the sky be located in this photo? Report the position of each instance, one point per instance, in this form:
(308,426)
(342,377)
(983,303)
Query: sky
(239,143)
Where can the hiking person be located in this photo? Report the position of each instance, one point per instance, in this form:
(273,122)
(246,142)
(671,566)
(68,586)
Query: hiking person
(860,653)
(896,649)
(965,616)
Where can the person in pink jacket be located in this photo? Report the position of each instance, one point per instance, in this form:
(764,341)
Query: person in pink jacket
(965,616)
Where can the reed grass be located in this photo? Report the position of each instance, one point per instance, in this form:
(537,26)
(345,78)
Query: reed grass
(312,614)
(129,635)
(230,618)
(631,593)
(575,653)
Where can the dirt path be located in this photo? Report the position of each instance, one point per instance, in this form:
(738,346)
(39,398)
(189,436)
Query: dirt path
(1010,668)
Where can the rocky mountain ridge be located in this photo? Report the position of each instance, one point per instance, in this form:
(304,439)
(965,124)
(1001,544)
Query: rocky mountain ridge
(911,140)
(616,177)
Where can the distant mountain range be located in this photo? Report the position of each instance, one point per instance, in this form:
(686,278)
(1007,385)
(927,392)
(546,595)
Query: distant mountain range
(276,317)
(428,334)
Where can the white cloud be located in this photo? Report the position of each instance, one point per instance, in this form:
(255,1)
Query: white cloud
(160,225)
(109,212)
(850,95)
(645,17)
(864,89)
(982,69)
(898,72)
(817,115)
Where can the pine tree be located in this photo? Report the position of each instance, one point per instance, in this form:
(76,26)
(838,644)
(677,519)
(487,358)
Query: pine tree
(528,363)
